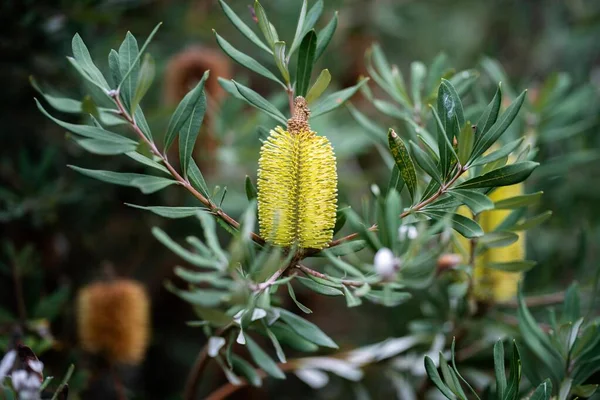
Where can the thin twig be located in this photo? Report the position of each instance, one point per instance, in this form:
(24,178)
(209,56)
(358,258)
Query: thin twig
(191,385)
(309,271)
(181,180)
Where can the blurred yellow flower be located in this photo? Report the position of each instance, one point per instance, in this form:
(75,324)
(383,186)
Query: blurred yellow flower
(490,284)
(297,185)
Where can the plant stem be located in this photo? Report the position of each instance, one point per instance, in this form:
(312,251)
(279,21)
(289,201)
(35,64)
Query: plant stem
(290,92)
(181,180)
(443,189)
(193,379)
(310,271)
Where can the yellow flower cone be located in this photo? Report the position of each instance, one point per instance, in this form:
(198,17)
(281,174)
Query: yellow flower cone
(490,284)
(297,185)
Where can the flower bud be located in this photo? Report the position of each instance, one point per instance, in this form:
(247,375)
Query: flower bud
(386,265)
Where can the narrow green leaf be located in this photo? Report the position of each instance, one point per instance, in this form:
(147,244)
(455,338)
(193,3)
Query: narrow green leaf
(105,147)
(256,100)
(128,60)
(139,54)
(418,71)
(309,22)
(197,179)
(151,184)
(351,299)
(490,115)
(498,154)
(170,212)
(487,139)
(300,25)
(286,335)
(344,249)
(514,379)
(436,379)
(307,329)
(264,24)
(184,110)
(279,54)
(192,258)
(306,60)
(145,79)
(463,225)
(113,66)
(451,106)
(446,151)
(531,222)
(319,86)
(426,163)
(245,60)
(324,37)
(518,201)
(464,80)
(334,100)
(301,306)
(403,162)
(251,193)
(191,128)
(544,392)
(476,201)
(513,266)
(199,297)
(244,368)
(82,55)
(62,104)
(396,181)
(497,239)
(263,360)
(504,176)
(243,28)
(500,370)
(276,344)
(318,288)
(466,139)
(117,178)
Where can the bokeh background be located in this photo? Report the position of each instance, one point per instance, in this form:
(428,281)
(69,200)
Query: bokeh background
(60,230)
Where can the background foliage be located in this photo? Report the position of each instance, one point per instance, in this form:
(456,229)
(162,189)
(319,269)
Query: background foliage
(61,228)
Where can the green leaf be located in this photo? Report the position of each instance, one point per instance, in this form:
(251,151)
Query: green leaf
(309,22)
(170,212)
(463,225)
(544,392)
(150,184)
(200,297)
(245,60)
(276,345)
(263,360)
(324,37)
(396,181)
(487,139)
(499,369)
(307,329)
(446,150)
(318,288)
(192,258)
(300,25)
(503,176)
(498,154)
(403,162)
(514,379)
(82,55)
(418,71)
(191,127)
(51,306)
(518,201)
(450,106)
(464,80)
(145,79)
(466,139)
(135,63)
(426,163)
(344,249)
(243,28)
(256,100)
(531,222)
(251,193)
(301,306)
(197,180)
(113,66)
(497,239)
(351,299)
(334,100)
(91,132)
(187,106)
(287,336)
(264,24)
(146,161)
(306,60)
(128,60)
(490,115)
(476,201)
(436,379)
(117,178)
(358,224)
(58,103)
(244,368)
(319,86)
(140,120)
(105,148)
(513,266)
(279,54)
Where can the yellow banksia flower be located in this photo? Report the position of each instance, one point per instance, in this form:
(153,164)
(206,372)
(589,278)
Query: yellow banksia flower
(491,284)
(297,185)
(113,319)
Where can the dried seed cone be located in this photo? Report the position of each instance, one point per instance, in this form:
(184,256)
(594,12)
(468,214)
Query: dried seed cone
(297,186)
(113,320)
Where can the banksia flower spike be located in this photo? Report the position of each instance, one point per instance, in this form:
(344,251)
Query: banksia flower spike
(297,184)
(113,320)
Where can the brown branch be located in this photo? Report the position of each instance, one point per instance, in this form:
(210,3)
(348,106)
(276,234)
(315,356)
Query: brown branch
(181,180)
(193,379)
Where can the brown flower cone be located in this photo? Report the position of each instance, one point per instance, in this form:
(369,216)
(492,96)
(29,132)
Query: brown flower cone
(113,320)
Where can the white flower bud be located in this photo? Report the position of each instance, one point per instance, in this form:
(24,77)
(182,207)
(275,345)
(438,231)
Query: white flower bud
(7,363)
(407,231)
(386,265)
(19,379)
